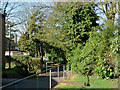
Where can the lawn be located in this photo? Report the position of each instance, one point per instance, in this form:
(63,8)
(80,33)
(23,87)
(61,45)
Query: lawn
(94,82)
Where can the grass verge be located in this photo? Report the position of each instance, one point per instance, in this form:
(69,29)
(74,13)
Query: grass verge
(94,82)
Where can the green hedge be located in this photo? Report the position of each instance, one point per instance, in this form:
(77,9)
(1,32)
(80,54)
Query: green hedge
(35,65)
(26,64)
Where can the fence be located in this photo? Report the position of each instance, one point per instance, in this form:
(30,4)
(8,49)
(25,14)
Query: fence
(58,74)
(45,79)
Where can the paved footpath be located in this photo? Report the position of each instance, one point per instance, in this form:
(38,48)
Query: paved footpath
(32,82)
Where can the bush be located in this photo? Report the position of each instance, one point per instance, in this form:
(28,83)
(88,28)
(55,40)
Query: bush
(35,65)
(26,64)
(57,56)
(105,69)
(21,61)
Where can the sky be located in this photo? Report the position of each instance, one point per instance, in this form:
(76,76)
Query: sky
(58,0)
(27,0)
(22,11)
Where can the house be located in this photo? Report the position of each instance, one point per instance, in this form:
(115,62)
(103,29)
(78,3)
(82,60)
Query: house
(14,53)
(14,49)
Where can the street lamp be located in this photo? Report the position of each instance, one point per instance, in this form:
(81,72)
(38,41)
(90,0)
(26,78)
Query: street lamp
(9,46)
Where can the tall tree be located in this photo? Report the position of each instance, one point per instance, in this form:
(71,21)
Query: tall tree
(69,25)
(108,9)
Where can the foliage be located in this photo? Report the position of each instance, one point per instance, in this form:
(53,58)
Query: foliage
(97,54)
(71,33)
(56,56)
(9,25)
(108,59)
(70,25)
(104,69)
(20,60)
(8,72)
(21,63)
(82,22)
(35,65)
(29,41)
(22,42)
(34,41)
(26,64)
(108,9)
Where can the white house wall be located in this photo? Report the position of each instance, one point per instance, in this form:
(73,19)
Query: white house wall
(14,53)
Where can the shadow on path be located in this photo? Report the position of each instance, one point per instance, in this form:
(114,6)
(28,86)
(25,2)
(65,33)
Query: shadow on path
(31,83)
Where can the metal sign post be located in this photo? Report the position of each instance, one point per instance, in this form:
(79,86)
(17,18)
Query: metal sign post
(9,48)
(58,73)
(50,80)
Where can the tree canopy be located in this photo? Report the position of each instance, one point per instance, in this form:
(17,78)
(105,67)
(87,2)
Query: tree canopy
(69,34)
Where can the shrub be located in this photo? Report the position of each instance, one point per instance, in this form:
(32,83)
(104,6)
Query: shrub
(57,56)
(26,64)
(35,65)
(21,61)
(104,69)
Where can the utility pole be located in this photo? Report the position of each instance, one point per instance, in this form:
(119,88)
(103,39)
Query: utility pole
(9,47)
(2,45)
